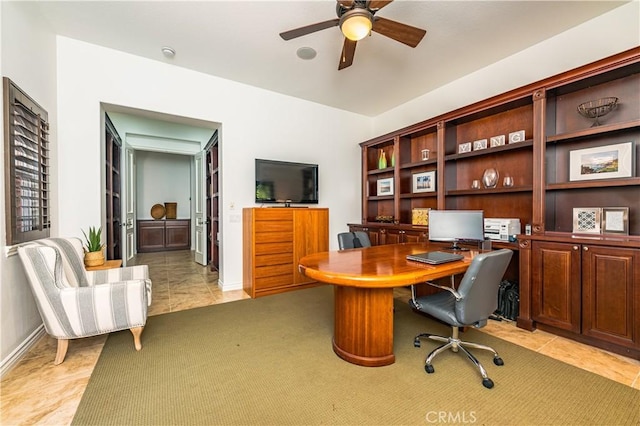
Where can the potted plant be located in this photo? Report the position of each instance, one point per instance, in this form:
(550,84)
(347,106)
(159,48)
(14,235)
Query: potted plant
(93,254)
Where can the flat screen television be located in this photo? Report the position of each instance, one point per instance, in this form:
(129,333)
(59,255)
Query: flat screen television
(456,226)
(286,182)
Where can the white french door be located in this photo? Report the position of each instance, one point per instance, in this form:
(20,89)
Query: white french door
(200,209)
(129,205)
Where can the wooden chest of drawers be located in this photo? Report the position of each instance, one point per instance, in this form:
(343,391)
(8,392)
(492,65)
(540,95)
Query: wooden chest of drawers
(274,239)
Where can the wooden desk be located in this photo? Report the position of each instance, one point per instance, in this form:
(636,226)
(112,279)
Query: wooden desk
(109,264)
(364,280)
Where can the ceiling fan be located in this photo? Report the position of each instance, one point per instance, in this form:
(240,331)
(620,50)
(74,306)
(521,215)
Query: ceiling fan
(357,19)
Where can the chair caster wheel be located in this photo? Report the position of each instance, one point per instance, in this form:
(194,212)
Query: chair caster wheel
(498,361)
(416,343)
(487,383)
(429,368)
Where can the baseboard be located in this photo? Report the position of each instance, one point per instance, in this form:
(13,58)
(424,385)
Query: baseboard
(14,357)
(229,286)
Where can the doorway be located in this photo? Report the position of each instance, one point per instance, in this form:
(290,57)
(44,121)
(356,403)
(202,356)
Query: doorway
(144,134)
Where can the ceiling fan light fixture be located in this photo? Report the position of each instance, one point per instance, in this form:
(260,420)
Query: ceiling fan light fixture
(356,24)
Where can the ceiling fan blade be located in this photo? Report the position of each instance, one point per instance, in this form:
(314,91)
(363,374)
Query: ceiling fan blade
(348,51)
(378,4)
(403,33)
(298,32)
(346,3)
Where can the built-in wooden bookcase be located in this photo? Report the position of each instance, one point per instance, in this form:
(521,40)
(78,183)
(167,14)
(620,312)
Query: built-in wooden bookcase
(453,170)
(377,204)
(213,202)
(27,166)
(411,162)
(567,131)
(581,285)
(113,190)
(512,160)
(542,193)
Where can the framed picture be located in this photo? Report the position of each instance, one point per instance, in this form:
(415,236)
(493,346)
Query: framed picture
(496,141)
(464,147)
(601,162)
(424,182)
(586,220)
(480,144)
(420,216)
(615,220)
(385,186)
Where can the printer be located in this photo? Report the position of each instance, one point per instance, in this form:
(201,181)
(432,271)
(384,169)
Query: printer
(501,228)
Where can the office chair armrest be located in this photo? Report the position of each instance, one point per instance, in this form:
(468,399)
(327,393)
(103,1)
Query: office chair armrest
(449,289)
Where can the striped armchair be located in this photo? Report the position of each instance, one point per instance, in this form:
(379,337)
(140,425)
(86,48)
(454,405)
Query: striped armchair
(74,302)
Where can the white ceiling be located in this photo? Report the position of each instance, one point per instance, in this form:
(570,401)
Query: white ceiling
(239,40)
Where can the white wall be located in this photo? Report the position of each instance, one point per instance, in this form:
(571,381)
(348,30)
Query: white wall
(162,178)
(606,35)
(35,73)
(255,123)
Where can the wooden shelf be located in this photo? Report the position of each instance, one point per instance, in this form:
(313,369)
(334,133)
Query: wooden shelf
(605,183)
(510,147)
(380,198)
(595,131)
(420,195)
(485,191)
(379,171)
(419,164)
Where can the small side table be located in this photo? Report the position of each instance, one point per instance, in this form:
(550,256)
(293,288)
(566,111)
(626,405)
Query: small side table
(109,264)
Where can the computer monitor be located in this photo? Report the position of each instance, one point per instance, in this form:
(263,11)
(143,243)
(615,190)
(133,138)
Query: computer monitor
(455,226)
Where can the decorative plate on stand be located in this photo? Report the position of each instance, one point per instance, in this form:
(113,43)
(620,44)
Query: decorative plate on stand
(157,211)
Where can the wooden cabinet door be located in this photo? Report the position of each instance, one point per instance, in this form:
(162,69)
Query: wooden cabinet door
(150,236)
(396,236)
(611,294)
(556,285)
(374,236)
(178,234)
(415,237)
(311,230)
(391,236)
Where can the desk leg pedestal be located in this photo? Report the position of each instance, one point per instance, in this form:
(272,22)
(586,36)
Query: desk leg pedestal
(363,333)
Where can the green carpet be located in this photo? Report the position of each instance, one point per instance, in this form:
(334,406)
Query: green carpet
(269,361)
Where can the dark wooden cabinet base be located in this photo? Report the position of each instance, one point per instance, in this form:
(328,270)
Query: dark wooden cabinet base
(162,235)
(582,288)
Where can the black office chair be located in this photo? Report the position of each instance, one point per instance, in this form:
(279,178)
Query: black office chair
(349,240)
(468,306)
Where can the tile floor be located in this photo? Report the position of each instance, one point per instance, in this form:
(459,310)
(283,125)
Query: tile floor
(37,392)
